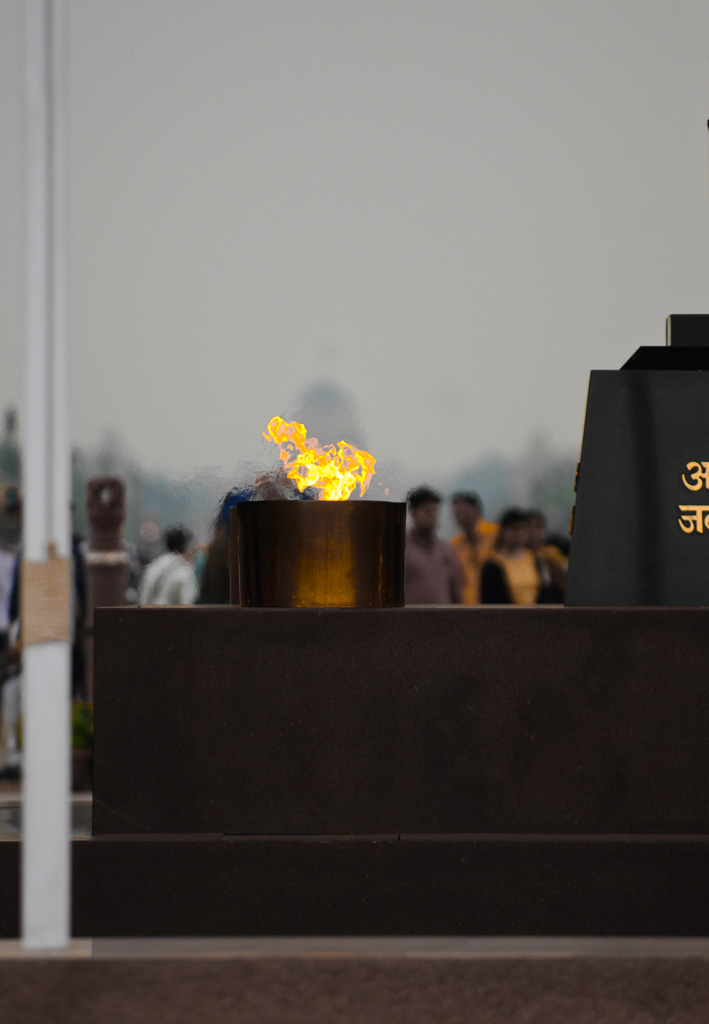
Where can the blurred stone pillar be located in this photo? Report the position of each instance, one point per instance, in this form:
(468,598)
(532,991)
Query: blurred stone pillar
(106,558)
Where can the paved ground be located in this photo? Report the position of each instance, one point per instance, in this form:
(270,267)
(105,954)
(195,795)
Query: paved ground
(360,981)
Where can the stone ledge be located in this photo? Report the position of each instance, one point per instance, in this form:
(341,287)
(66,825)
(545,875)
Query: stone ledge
(453,886)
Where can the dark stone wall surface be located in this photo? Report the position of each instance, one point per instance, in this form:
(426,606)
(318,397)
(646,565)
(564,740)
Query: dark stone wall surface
(405,721)
(130,886)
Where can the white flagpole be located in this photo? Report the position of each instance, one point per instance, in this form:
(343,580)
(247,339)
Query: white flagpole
(46,573)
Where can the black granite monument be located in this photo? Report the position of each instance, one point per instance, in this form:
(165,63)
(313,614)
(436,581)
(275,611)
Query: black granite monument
(641,521)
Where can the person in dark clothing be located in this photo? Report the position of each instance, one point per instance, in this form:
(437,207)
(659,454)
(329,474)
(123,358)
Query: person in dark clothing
(214,585)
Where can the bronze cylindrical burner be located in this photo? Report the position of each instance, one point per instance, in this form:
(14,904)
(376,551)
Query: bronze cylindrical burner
(318,554)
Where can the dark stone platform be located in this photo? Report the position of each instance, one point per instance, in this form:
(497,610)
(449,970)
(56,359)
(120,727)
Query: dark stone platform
(418,771)
(403,721)
(127,886)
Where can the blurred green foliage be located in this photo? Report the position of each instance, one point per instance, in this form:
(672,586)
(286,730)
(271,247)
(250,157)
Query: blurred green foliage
(82,725)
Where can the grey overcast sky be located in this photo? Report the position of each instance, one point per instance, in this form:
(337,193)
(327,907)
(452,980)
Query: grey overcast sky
(455,209)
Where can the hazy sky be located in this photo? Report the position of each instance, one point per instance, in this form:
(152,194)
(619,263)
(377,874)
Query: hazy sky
(454,209)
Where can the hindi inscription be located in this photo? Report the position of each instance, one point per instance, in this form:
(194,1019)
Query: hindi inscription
(695,517)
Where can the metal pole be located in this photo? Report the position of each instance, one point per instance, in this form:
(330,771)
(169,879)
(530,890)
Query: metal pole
(46,568)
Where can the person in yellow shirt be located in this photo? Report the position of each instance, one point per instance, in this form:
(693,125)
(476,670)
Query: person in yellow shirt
(474,544)
(512,574)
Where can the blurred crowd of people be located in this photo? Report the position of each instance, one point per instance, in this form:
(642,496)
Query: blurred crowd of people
(512,561)
(509,562)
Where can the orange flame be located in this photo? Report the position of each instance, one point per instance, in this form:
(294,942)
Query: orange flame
(334,470)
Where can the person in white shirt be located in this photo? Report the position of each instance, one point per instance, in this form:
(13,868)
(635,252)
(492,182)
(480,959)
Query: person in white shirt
(170,578)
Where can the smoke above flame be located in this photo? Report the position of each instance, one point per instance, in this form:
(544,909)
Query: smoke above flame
(334,470)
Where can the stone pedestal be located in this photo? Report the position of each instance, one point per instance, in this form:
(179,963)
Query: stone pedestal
(417,720)
(416,771)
